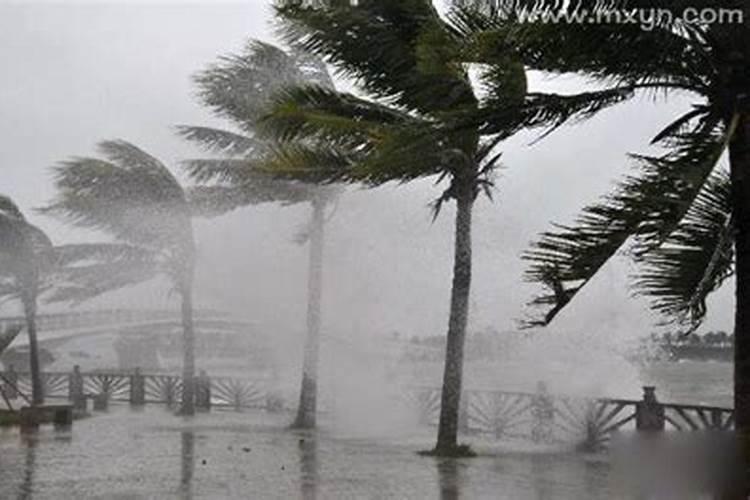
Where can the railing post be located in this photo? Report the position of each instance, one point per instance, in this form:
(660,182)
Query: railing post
(101,401)
(137,388)
(170,387)
(75,389)
(649,413)
(203,391)
(274,402)
(543,414)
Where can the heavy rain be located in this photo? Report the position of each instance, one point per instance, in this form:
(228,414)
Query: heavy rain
(400,249)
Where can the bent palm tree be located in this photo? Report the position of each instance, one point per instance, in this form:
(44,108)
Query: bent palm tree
(134,198)
(425,119)
(239,88)
(687,221)
(26,255)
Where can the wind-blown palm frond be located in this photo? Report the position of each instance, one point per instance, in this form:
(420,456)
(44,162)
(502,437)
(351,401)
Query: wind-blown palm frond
(131,195)
(25,252)
(91,269)
(394,49)
(310,112)
(214,200)
(8,208)
(546,111)
(8,335)
(647,207)
(314,164)
(238,87)
(134,198)
(671,55)
(222,141)
(604,50)
(243,88)
(222,170)
(694,260)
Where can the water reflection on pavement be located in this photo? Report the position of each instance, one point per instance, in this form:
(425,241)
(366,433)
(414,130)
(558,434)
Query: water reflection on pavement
(153,455)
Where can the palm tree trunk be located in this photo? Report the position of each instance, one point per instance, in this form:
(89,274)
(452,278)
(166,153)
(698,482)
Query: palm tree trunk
(308,397)
(454,353)
(37,388)
(188,348)
(739,157)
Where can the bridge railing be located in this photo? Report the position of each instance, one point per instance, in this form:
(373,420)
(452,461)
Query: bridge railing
(546,418)
(88,318)
(137,389)
(537,416)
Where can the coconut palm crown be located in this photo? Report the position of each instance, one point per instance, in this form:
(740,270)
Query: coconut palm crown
(239,88)
(131,196)
(27,260)
(422,117)
(683,216)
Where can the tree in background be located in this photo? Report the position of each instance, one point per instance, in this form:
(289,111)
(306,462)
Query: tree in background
(685,220)
(134,198)
(26,261)
(423,118)
(239,88)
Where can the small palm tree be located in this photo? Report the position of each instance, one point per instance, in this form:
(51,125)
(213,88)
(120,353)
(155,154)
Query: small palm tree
(239,88)
(134,198)
(26,257)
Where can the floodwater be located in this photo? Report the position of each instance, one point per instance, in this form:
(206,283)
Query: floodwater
(152,454)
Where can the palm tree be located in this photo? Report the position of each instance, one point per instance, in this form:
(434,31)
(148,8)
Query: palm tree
(134,198)
(239,88)
(423,118)
(685,220)
(26,256)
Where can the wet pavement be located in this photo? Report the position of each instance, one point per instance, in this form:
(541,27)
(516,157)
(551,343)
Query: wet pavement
(153,454)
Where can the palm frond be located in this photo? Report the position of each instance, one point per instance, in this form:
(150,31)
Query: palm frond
(678,53)
(647,207)
(88,270)
(397,50)
(9,334)
(8,208)
(545,111)
(311,163)
(215,200)
(306,112)
(240,86)
(25,251)
(694,260)
(223,142)
(222,170)
(131,195)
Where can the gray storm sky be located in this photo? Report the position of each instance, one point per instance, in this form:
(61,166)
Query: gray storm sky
(74,74)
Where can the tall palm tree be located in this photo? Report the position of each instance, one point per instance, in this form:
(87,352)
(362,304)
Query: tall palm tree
(134,198)
(684,219)
(238,88)
(423,118)
(26,257)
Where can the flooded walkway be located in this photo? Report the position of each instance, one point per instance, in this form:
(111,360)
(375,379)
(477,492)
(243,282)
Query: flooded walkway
(152,454)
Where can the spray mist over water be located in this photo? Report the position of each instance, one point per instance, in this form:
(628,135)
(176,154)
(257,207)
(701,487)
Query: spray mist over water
(363,380)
